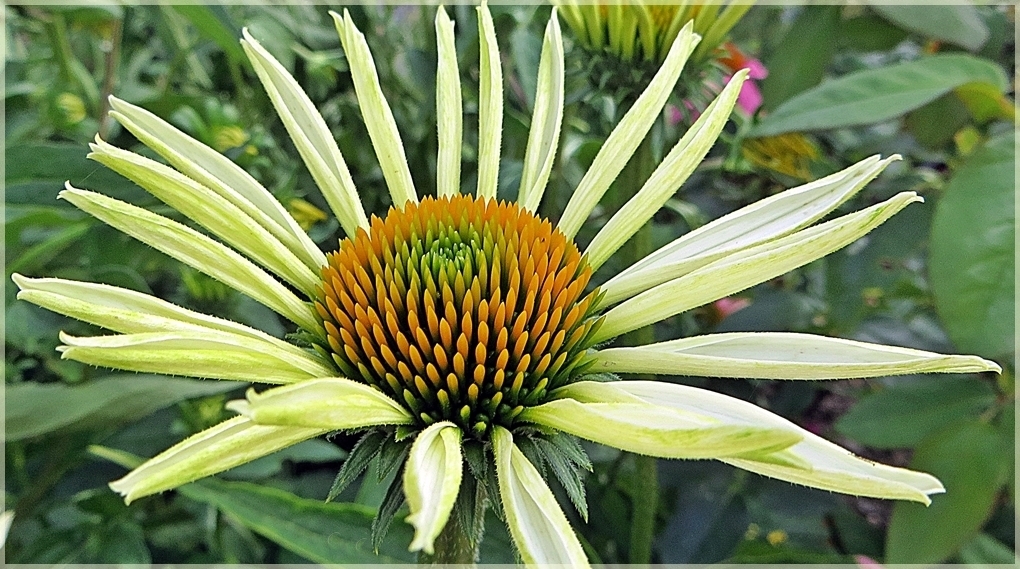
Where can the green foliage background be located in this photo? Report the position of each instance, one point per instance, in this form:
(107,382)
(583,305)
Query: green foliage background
(929,83)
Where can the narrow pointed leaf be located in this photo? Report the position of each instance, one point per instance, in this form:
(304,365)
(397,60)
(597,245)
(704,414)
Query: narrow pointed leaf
(543,140)
(568,473)
(747,268)
(218,173)
(449,110)
(310,135)
(540,530)
(212,211)
(330,403)
(490,105)
(606,415)
(831,467)
(229,444)
(382,129)
(198,251)
(207,354)
(432,479)
(759,222)
(667,177)
(781,356)
(627,135)
(357,461)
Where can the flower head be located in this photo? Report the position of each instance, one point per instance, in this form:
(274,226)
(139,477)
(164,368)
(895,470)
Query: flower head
(463,329)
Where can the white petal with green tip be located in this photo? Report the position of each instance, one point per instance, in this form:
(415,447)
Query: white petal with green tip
(449,109)
(218,173)
(543,139)
(778,355)
(831,467)
(229,444)
(432,478)
(490,105)
(198,251)
(596,412)
(628,134)
(212,211)
(310,135)
(540,530)
(208,354)
(667,177)
(747,268)
(759,222)
(382,129)
(333,403)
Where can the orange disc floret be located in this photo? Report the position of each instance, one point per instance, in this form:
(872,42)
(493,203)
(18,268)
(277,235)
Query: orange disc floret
(461,308)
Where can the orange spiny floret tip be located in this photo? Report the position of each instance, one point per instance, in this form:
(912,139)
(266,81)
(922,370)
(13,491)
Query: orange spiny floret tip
(460,308)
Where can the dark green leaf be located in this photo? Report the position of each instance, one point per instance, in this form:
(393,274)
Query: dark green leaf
(876,95)
(321,532)
(390,504)
(568,474)
(902,415)
(986,550)
(957,24)
(35,409)
(214,23)
(361,455)
(391,455)
(800,59)
(972,243)
(571,448)
(968,459)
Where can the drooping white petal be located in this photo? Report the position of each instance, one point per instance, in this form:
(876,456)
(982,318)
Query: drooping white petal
(490,105)
(543,140)
(382,129)
(218,173)
(667,177)
(229,444)
(432,481)
(310,135)
(540,530)
(208,354)
(198,251)
(762,221)
(600,413)
(628,134)
(747,268)
(212,211)
(831,467)
(768,355)
(449,111)
(333,403)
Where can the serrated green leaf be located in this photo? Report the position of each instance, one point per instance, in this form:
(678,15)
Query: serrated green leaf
(361,455)
(567,472)
(387,511)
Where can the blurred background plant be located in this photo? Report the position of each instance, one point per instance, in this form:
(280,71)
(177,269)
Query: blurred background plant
(833,84)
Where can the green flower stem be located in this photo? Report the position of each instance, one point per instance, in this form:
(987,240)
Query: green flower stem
(455,545)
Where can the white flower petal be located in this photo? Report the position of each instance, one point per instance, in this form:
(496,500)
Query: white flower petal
(628,134)
(382,129)
(212,211)
(449,110)
(229,444)
(601,413)
(208,354)
(490,105)
(310,135)
(762,221)
(333,403)
(747,268)
(432,481)
(6,519)
(218,173)
(831,467)
(539,528)
(667,177)
(543,140)
(781,356)
(198,251)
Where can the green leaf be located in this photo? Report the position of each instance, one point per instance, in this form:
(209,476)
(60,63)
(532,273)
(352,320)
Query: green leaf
(968,458)
(35,409)
(880,94)
(972,266)
(986,550)
(214,23)
(902,415)
(357,461)
(957,24)
(799,61)
(321,532)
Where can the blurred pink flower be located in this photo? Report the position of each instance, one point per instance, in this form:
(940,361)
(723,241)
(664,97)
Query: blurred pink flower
(750,97)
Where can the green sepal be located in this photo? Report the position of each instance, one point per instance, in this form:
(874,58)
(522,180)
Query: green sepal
(571,447)
(391,455)
(388,509)
(570,474)
(357,461)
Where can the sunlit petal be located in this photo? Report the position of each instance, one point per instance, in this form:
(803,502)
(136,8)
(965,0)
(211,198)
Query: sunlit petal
(432,481)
